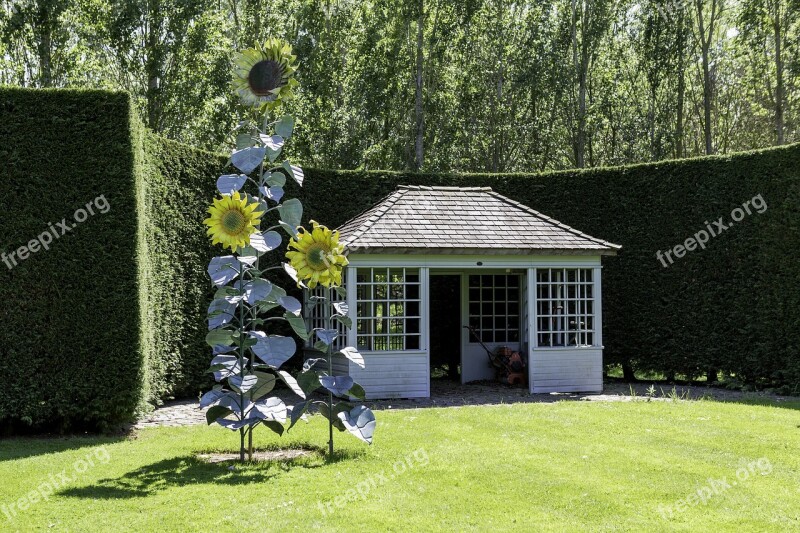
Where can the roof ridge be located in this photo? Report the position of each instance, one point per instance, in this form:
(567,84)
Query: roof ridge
(553,221)
(379,210)
(440,188)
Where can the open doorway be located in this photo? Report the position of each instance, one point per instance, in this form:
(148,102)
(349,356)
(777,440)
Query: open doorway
(445,326)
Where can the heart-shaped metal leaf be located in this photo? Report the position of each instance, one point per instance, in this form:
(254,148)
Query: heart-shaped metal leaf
(291,304)
(291,212)
(266,242)
(284,126)
(274,350)
(297,413)
(257,290)
(270,409)
(219,336)
(216,412)
(338,385)
(298,325)
(230,183)
(272,193)
(328,336)
(220,313)
(360,421)
(248,159)
(224,269)
(341,308)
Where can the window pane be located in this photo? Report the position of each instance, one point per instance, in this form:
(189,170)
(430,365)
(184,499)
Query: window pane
(412,343)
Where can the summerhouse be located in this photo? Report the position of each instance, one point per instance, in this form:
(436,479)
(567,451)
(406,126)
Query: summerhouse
(445,273)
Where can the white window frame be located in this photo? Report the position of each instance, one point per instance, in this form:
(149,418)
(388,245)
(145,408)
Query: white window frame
(373,300)
(560,334)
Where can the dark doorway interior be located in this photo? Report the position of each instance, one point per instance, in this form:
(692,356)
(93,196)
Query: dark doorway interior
(445,326)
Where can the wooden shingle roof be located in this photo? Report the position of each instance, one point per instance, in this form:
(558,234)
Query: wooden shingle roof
(419,219)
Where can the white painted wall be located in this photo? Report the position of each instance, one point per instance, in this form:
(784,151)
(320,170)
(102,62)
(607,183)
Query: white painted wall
(394,375)
(566,370)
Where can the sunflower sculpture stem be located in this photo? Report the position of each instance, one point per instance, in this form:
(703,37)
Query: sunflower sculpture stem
(328,313)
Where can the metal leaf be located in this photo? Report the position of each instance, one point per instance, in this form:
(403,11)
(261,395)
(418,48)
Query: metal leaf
(298,325)
(317,363)
(297,413)
(291,304)
(216,412)
(266,242)
(211,397)
(274,350)
(248,159)
(220,313)
(292,383)
(325,411)
(328,336)
(230,183)
(291,212)
(266,382)
(285,126)
(276,179)
(308,382)
(290,230)
(360,421)
(353,355)
(338,385)
(270,409)
(224,269)
(294,172)
(257,290)
(243,383)
(219,336)
(341,308)
(273,193)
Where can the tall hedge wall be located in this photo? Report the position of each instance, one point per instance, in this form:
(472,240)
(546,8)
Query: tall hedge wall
(70,352)
(733,307)
(112,315)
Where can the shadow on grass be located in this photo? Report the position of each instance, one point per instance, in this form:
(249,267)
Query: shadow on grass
(21,447)
(189,469)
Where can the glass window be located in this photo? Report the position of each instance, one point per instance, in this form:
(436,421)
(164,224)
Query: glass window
(565,307)
(388,310)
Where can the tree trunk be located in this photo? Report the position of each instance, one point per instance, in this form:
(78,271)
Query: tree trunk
(679,150)
(419,149)
(153,65)
(779,85)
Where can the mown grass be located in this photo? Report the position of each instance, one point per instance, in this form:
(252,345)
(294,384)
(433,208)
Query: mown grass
(566,466)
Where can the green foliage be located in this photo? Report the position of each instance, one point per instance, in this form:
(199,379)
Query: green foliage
(70,349)
(734,306)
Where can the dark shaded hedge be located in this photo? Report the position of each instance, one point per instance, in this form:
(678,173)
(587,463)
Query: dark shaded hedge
(70,350)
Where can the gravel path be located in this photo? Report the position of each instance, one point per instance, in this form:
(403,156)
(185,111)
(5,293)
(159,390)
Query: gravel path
(450,394)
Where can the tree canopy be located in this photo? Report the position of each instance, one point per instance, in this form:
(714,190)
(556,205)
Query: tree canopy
(472,85)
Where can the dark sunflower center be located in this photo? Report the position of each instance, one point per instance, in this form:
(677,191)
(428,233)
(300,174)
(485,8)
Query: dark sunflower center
(316,257)
(233,222)
(265,76)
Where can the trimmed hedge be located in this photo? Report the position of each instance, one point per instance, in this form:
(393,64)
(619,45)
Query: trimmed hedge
(112,316)
(70,352)
(734,306)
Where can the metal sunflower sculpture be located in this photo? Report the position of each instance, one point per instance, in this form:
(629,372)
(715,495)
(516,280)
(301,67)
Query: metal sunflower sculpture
(233,220)
(319,258)
(245,333)
(264,76)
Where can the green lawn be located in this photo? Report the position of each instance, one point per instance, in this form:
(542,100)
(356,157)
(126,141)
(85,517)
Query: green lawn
(563,466)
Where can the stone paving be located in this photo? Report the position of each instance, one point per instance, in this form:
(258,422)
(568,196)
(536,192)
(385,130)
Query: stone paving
(451,394)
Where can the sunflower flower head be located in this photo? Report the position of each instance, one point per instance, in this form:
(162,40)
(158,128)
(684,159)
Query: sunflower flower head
(264,76)
(317,256)
(232,220)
